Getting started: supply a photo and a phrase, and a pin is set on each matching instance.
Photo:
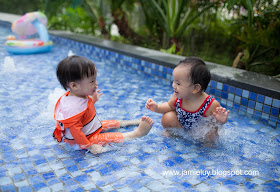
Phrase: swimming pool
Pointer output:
(247, 156)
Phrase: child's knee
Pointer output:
(169, 119)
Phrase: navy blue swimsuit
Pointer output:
(187, 118)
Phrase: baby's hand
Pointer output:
(96, 149)
(221, 115)
(151, 105)
(96, 95)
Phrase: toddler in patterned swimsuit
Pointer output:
(189, 103)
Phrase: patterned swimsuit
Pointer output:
(187, 118)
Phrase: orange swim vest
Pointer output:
(77, 127)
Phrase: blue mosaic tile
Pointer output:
(238, 92)
(231, 89)
(213, 91)
(3, 174)
(8, 188)
(65, 177)
(218, 93)
(52, 182)
(73, 168)
(225, 88)
(178, 159)
(219, 85)
(100, 183)
(71, 183)
(244, 102)
(237, 99)
(213, 84)
(243, 109)
(25, 189)
(268, 100)
(230, 97)
(118, 184)
(269, 187)
(260, 98)
(18, 177)
(169, 163)
(259, 106)
(276, 103)
(105, 171)
(49, 175)
(116, 166)
(245, 94)
(169, 71)
(69, 162)
(35, 179)
(224, 95)
(230, 104)
(79, 189)
(95, 190)
(252, 96)
(266, 109)
(82, 179)
(112, 179)
(265, 117)
(38, 186)
(223, 103)
(230, 182)
(251, 104)
(274, 111)
(186, 185)
(136, 186)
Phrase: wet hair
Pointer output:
(74, 68)
(198, 71)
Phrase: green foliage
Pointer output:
(172, 16)
(259, 36)
(68, 20)
(21, 7)
(172, 50)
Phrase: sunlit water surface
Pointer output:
(28, 92)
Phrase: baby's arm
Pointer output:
(221, 114)
(161, 108)
(218, 112)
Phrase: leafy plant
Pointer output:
(97, 10)
(172, 50)
(173, 17)
(68, 20)
(259, 36)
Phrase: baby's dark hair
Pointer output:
(74, 68)
(199, 72)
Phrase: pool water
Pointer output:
(246, 157)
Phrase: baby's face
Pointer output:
(88, 85)
(182, 86)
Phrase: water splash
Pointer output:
(8, 65)
(53, 97)
(200, 131)
(70, 53)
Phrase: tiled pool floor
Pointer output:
(247, 157)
